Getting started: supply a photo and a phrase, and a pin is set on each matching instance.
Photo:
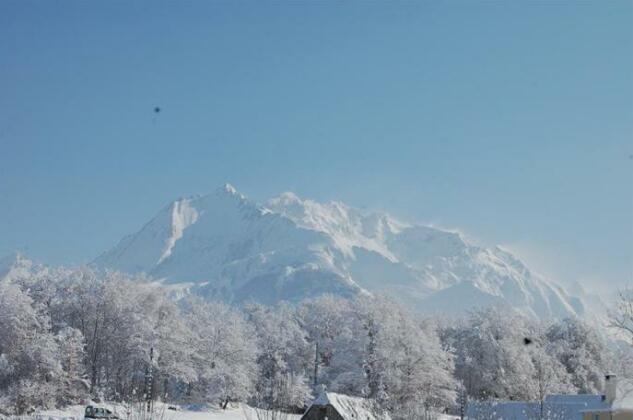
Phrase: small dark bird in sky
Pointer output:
(527, 341)
(156, 110)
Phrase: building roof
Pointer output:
(554, 407)
(623, 400)
(350, 408)
(582, 401)
(520, 410)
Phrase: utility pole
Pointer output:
(149, 380)
(463, 402)
(316, 363)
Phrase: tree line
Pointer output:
(67, 335)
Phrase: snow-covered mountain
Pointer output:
(225, 246)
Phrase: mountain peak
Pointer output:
(292, 248)
(288, 197)
(230, 191)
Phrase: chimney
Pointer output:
(610, 388)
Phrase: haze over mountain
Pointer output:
(223, 245)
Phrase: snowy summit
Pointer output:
(226, 246)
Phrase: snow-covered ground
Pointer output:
(76, 412)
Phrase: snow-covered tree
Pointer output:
(121, 319)
(372, 347)
(491, 359)
(418, 379)
(284, 355)
(549, 375)
(501, 355)
(72, 383)
(328, 323)
(224, 352)
(66, 333)
(622, 316)
(172, 343)
(29, 362)
(581, 351)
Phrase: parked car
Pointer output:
(99, 413)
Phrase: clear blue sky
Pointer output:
(512, 121)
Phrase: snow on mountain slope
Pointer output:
(231, 248)
(226, 246)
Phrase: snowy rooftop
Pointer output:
(555, 406)
(350, 408)
(624, 397)
(521, 410)
(586, 401)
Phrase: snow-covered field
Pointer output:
(76, 412)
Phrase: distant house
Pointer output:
(619, 401)
(615, 404)
(332, 406)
